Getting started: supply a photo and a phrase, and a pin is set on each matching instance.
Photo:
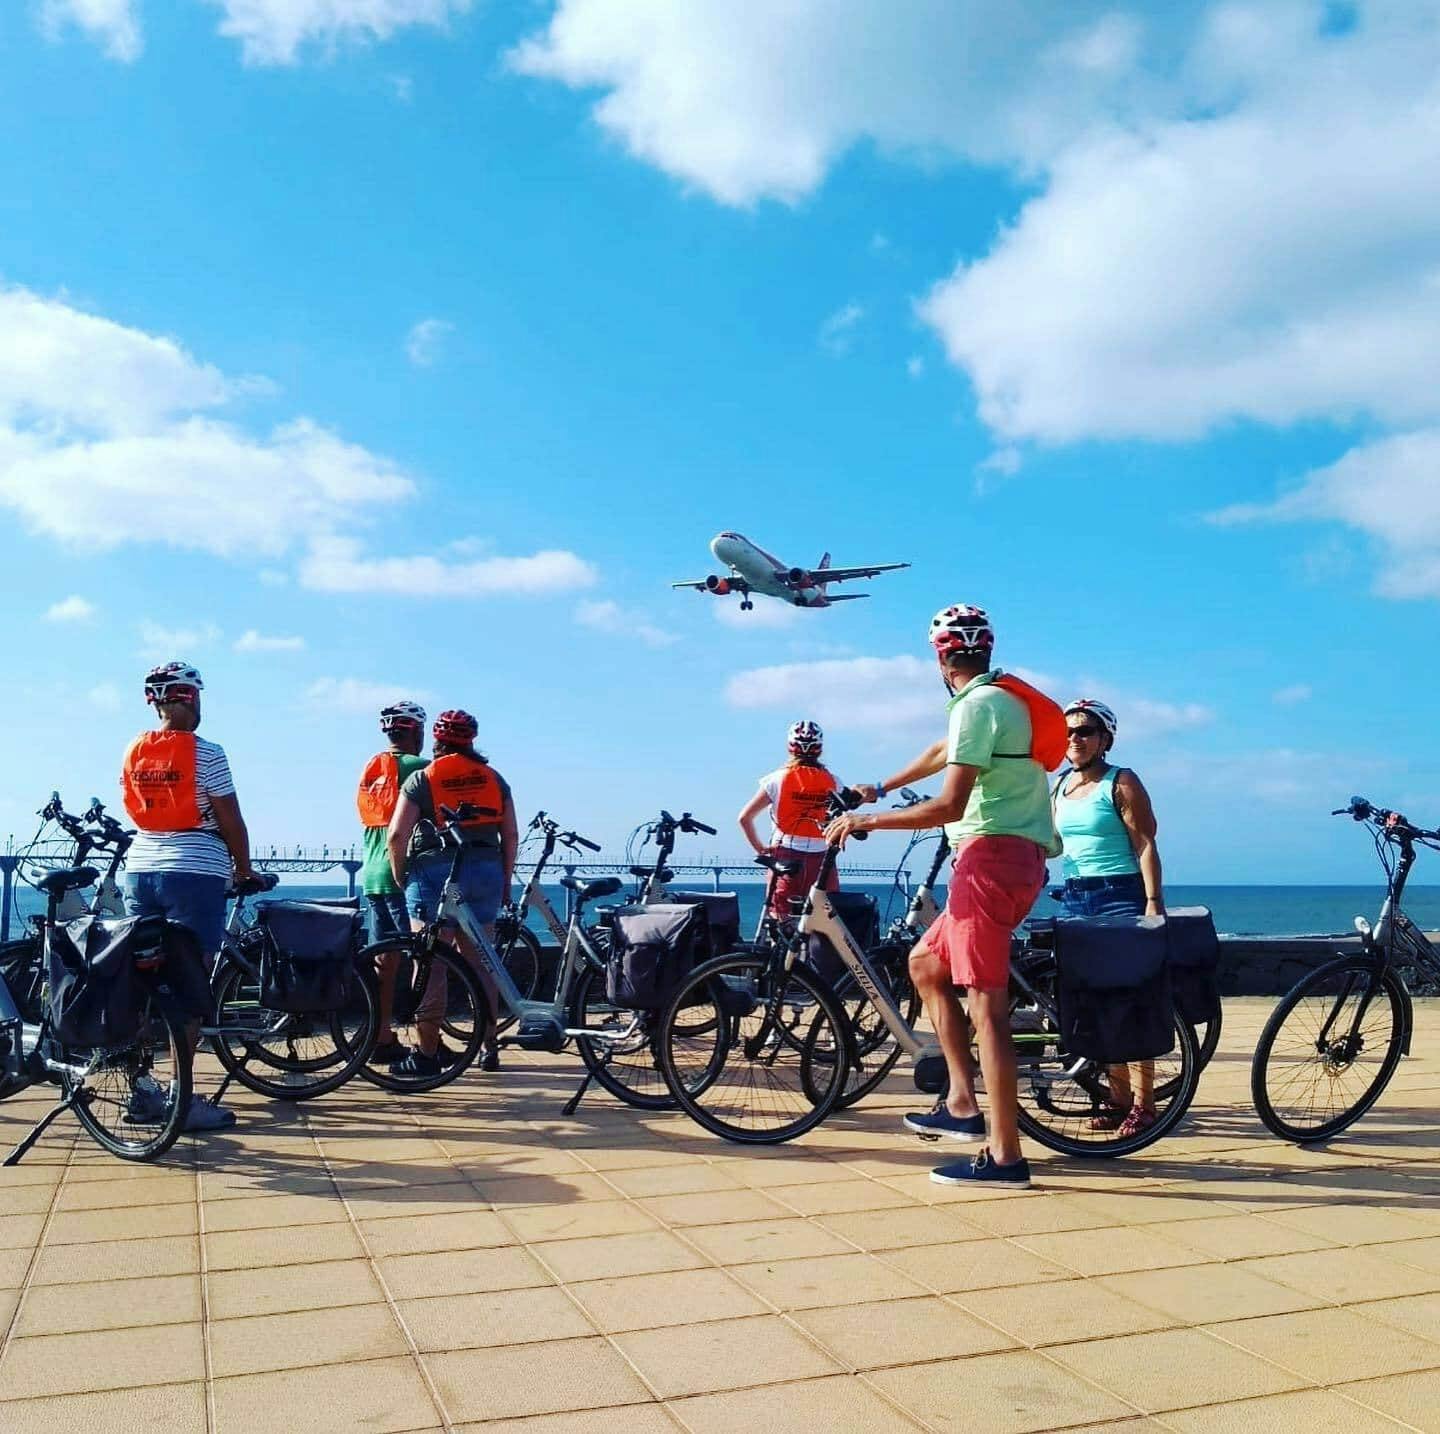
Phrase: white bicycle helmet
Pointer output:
(961, 628)
(401, 714)
(805, 739)
(1091, 707)
(172, 682)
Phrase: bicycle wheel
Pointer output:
(784, 1042)
(519, 951)
(1329, 1049)
(1066, 1101)
(22, 970)
(133, 1099)
(619, 1044)
(432, 981)
(874, 1048)
(286, 1056)
(1207, 1036)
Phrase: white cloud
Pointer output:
(105, 696)
(340, 565)
(1003, 463)
(277, 32)
(113, 23)
(606, 615)
(1388, 489)
(837, 333)
(1292, 695)
(252, 641)
(915, 366)
(354, 697)
(70, 609)
(160, 643)
(424, 342)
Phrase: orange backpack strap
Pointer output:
(1048, 737)
(379, 790)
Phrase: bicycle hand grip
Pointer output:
(701, 827)
(588, 845)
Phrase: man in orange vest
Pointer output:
(379, 792)
(192, 841)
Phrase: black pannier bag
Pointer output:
(1194, 956)
(653, 949)
(95, 994)
(862, 920)
(722, 918)
(1113, 987)
(307, 961)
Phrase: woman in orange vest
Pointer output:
(796, 795)
(457, 774)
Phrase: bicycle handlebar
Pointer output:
(1393, 823)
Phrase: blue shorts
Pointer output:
(482, 884)
(196, 902)
(1103, 896)
(389, 915)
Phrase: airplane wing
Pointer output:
(700, 586)
(845, 575)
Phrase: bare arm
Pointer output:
(949, 806)
(509, 842)
(746, 819)
(397, 838)
(233, 833)
(930, 761)
(1132, 801)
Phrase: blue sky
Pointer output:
(354, 349)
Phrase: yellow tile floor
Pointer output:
(470, 1260)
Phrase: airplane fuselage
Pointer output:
(763, 571)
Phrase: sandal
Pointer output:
(1138, 1118)
(1111, 1117)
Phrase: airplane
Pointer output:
(753, 570)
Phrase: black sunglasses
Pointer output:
(1082, 734)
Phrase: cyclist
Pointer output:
(192, 840)
(795, 795)
(456, 774)
(379, 791)
(995, 806)
(1111, 868)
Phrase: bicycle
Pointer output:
(515, 944)
(130, 1096)
(286, 1055)
(1333, 1043)
(1063, 1098)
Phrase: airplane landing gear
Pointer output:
(746, 604)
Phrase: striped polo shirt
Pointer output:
(202, 852)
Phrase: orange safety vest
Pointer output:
(1048, 735)
(158, 781)
(379, 790)
(800, 809)
(455, 778)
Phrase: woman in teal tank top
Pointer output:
(1112, 868)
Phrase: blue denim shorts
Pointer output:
(1111, 896)
(388, 914)
(196, 902)
(482, 884)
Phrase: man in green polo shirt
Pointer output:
(995, 807)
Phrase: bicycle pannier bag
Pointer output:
(95, 993)
(862, 920)
(1194, 956)
(1114, 987)
(722, 918)
(653, 950)
(307, 960)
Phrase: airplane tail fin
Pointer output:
(823, 563)
(847, 597)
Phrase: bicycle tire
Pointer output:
(1086, 1093)
(420, 956)
(235, 987)
(20, 968)
(1266, 1087)
(131, 1063)
(634, 1077)
(875, 1050)
(725, 1102)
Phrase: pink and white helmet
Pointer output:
(1098, 710)
(173, 682)
(805, 739)
(961, 628)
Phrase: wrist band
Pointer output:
(881, 790)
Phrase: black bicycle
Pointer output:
(1331, 1046)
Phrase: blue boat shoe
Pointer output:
(982, 1170)
(940, 1122)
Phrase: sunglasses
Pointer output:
(1082, 734)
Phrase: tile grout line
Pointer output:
(211, 1423)
(35, 1255)
(447, 1423)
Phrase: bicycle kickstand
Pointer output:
(573, 1104)
(20, 1151)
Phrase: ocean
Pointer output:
(1238, 910)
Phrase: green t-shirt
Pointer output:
(375, 877)
(1011, 796)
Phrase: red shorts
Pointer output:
(993, 885)
(788, 888)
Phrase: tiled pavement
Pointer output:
(468, 1259)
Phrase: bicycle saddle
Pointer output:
(57, 883)
(643, 872)
(779, 865)
(589, 890)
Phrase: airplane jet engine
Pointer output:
(718, 586)
(800, 578)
